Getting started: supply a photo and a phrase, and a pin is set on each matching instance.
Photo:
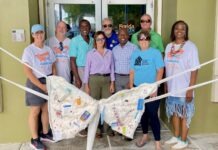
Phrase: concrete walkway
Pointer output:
(196, 142)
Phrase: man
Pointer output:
(111, 36)
(60, 45)
(122, 53)
(79, 46)
(156, 41)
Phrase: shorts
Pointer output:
(31, 99)
(179, 106)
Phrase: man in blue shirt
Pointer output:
(122, 53)
(111, 36)
(79, 46)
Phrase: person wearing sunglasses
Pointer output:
(60, 45)
(181, 54)
(99, 74)
(111, 36)
(156, 40)
(146, 66)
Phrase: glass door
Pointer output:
(123, 12)
(127, 13)
(71, 12)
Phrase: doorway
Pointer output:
(125, 13)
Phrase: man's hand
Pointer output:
(78, 82)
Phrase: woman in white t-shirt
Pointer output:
(181, 54)
(41, 58)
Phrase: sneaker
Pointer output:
(173, 140)
(47, 138)
(180, 145)
(82, 133)
(36, 144)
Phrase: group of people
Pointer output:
(109, 62)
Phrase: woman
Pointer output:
(146, 66)
(180, 55)
(99, 72)
(41, 58)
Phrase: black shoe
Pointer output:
(127, 139)
(36, 144)
(47, 138)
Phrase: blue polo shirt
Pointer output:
(79, 48)
(112, 41)
(145, 65)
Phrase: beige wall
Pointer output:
(200, 16)
(14, 14)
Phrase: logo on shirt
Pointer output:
(42, 57)
(57, 50)
(141, 62)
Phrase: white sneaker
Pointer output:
(173, 140)
(180, 145)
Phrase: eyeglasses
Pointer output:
(61, 47)
(145, 21)
(100, 39)
(143, 39)
(107, 25)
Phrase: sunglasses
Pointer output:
(145, 21)
(61, 47)
(143, 39)
(100, 39)
(107, 25)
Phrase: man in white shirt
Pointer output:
(60, 45)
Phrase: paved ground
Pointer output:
(196, 142)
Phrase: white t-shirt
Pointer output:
(40, 59)
(63, 59)
(178, 61)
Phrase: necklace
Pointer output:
(174, 52)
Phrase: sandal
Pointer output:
(111, 134)
(140, 143)
(98, 135)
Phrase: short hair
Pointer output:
(144, 33)
(86, 21)
(108, 19)
(60, 22)
(123, 29)
(95, 37)
(148, 16)
(172, 35)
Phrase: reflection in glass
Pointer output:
(72, 14)
(127, 16)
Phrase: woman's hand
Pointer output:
(87, 89)
(112, 89)
(189, 96)
(153, 94)
(43, 88)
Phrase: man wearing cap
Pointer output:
(156, 40)
(79, 47)
(60, 45)
(41, 58)
(111, 36)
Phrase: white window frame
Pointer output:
(50, 24)
(149, 3)
(215, 69)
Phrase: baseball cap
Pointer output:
(37, 27)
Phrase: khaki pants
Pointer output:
(100, 88)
